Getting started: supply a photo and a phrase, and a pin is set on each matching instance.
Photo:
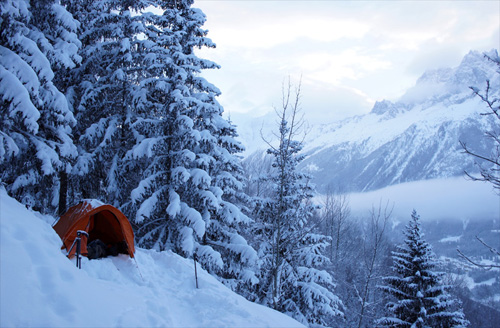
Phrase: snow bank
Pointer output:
(40, 287)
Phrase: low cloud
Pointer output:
(454, 198)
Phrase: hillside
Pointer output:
(415, 138)
(40, 287)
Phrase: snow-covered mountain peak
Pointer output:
(437, 84)
(472, 69)
(414, 138)
(475, 69)
(384, 106)
(438, 75)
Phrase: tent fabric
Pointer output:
(100, 221)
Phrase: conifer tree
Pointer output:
(185, 197)
(101, 96)
(420, 297)
(225, 229)
(292, 252)
(37, 43)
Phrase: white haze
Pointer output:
(453, 198)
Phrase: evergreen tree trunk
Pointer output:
(63, 192)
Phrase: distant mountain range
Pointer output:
(414, 138)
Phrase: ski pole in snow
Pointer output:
(78, 241)
(195, 273)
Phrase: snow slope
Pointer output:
(40, 287)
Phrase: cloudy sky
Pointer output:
(349, 53)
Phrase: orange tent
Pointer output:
(100, 221)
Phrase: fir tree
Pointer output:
(102, 96)
(37, 41)
(291, 252)
(224, 232)
(185, 199)
(421, 300)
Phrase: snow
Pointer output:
(13, 90)
(174, 204)
(40, 287)
(144, 185)
(144, 148)
(450, 239)
(194, 218)
(94, 203)
(471, 283)
(372, 130)
(200, 177)
(8, 146)
(147, 206)
(48, 157)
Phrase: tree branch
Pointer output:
(484, 266)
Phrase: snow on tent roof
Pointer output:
(100, 221)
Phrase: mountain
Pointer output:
(415, 138)
(40, 287)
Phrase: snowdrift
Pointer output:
(40, 287)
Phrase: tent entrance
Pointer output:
(105, 236)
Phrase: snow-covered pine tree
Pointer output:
(291, 252)
(102, 96)
(37, 40)
(421, 299)
(224, 232)
(184, 201)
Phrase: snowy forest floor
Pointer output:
(40, 287)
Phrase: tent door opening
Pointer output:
(105, 236)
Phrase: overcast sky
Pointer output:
(349, 53)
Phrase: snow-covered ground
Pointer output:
(40, 287)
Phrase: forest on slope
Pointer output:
(105, 100)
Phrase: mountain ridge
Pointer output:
(414, 138)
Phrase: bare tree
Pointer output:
(336, 211)
(374, 241)
(489, 164)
